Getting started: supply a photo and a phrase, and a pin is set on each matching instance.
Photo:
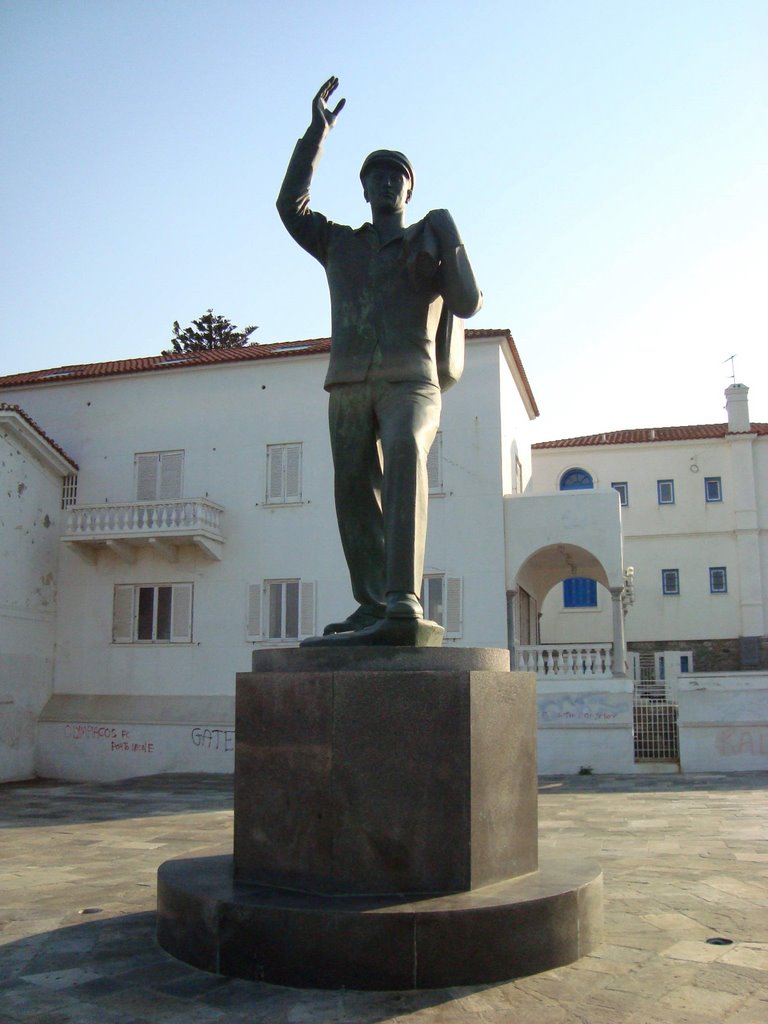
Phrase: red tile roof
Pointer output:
(312, 346)
(89, 371)
(6, 407)
(643, 435)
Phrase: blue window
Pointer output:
(666, 491)
(579, 592)
(713, 488)
(623, 488)
(718, 580)
(685, 663)
(576, 480)
(670, 581)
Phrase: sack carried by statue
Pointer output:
(424, 261)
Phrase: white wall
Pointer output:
(723, 721)
(29, 519)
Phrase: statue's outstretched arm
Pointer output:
(307, 227)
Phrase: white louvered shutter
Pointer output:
(435, 464)
(293, 472)
(171, 468)
(146, 476)
(307, 609)
(181, 613)
(453, 606)
(275, 473)
(122, 614)
(253, 627)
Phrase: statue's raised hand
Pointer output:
(323, 118)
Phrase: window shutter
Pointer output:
(171, 466)
(293, 472)
(146, 476)
(435, 463)
(275, 473)
(122, 615)
(253, 627)
(307, 609)
(181, 613)
(453, 606)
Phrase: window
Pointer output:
(665, 490)
(281, 610)
(441, 597)
(576, 480)
(435, 465)
(158, 475)
(69, 491)
(718, 580)
(518, 476)
(623, 488)
(283, 474)
(156, 613)
(670, 581)
(713, 489)
(579, 592)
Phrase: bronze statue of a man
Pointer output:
(393, 290)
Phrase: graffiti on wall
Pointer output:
(213, 739)
(586, 709)
(119, 739)
(750, 741)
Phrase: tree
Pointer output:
(207, 332)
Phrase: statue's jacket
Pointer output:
(380, 294)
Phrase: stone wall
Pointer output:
(712, 655)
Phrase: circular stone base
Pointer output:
(495, 933)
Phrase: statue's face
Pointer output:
(387, 188)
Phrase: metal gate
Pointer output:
(655, 709)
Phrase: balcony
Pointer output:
(163, 526)
(561, 662)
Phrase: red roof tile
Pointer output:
(88, 371)
(7, 407)
(248, 353)
(644, 435)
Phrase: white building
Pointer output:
(694, 511)
(202, 525)
(188, 517)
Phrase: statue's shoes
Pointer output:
(359, 619)
(404, 632)
(402, 605)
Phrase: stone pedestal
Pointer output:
(385, 830)
(395, 774)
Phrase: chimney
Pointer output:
(737, 407)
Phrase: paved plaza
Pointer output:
(684, 858)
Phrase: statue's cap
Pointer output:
(387, 156)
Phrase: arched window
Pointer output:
(576, 480)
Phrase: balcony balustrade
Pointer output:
(162, 525)
(566, 661)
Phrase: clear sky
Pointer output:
(605, 160)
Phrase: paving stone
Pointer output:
(682, 859)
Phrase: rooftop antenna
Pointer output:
(733, 368)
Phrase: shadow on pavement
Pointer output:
(663, 783)
(115, 966)
(44, 802)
